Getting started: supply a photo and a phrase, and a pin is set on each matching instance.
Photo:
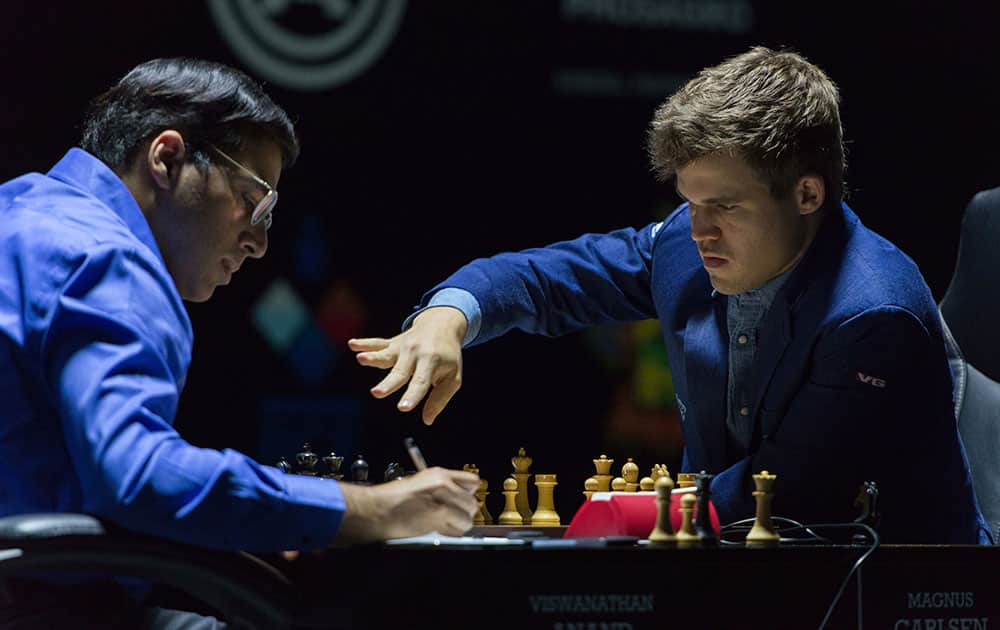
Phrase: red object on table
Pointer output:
(626, 514)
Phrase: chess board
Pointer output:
(653, 507)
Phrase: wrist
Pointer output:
(360, 522)
(451, 317)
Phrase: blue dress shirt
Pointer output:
(95, 344)
(744, 314)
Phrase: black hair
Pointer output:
(207, 102)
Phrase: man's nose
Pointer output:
(703, 226)
(254, 242)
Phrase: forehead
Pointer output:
(718, 177)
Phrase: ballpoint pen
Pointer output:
(415, 454)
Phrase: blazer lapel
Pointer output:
(774, 337)
(776, 329)
(706, 357)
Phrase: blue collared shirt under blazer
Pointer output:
(95, 344)
(849, 383)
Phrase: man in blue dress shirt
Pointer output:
(799, 341)
(172, 191)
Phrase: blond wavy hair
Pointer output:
(774, 109)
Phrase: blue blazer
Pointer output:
(851, 382)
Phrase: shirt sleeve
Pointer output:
(594, 279)
(459, 299)
(114, 356)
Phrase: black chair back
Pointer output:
(971, 313)
(971, 305)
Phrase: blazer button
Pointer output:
(745, 411)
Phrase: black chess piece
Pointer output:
(867, 500)
(393, 471)
(307, 461)
(284, 466)
(333, 463)
(703, 519)
(359, 469)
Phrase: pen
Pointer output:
(415, 454)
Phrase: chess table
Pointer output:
(621, 588)
(587, 585)
(595, 585)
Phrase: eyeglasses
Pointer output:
(262, 211)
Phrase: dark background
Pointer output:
(472, 134)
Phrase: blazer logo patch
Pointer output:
(870, 380)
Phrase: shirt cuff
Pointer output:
(463, 301)
(317, 506)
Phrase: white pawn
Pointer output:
(687, 535)
(510, 515)
(663, 532)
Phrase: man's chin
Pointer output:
(722, 286)
(730, 286)
(201, 295)
(735, 287)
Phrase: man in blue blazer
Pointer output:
(800, 342)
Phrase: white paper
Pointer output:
(437, 539)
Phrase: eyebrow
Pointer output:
(260, 182)
(247, 173)
(244, 169)
(724, 199)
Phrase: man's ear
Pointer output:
(810, 193)
(164, 158)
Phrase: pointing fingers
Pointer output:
(374, 352)
(440, 397)
(396, 378)
(368, 344)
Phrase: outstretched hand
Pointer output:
(428, 356)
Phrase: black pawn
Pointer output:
(359, 469)
(703, 519)
(284, 466)
(393, 471)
